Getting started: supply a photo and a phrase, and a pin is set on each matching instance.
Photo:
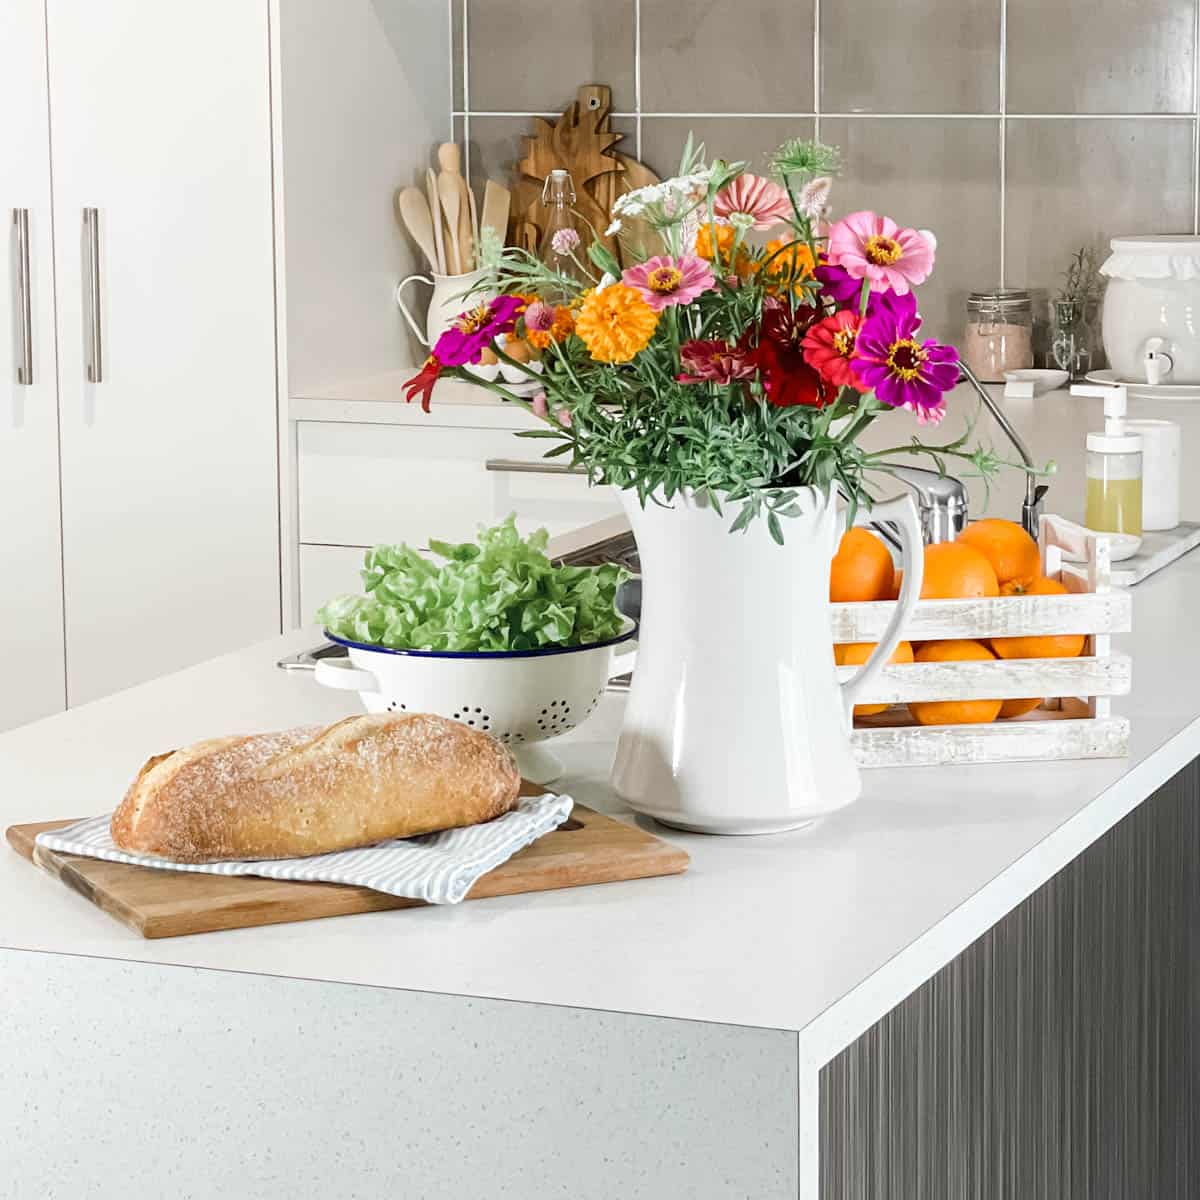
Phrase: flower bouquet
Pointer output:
(724, 383)
(745, 359)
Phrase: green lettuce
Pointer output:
(500, 592)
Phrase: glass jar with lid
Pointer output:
(999, 333)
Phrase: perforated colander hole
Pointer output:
(393, 705)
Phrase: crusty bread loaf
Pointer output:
(312, 791)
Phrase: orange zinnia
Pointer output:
(562, 324)
(616, 323)
(725, 238)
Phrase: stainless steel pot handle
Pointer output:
(306, 660)
(24, 305)
(518, 466)
(95, 348)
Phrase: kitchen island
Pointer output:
(974, 981)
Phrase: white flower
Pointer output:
(814, 197)
(614, 228)
(606, 280)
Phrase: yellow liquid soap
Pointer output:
(1114, 505)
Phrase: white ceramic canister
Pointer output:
(446, 302)
(1162, 445)
(1151, 322)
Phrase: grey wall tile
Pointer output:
(1101, 56)
(927, 173)
(896, 56)
(456, 53)
(529, 56)
(1077, 182)
(750, 139)
(496, 146)
(716, 56)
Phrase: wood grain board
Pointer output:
(588, 848)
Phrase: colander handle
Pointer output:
(903, 512)
(623, 662)
(340, 674)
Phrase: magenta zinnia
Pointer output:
(474, 329)
(712, 360)
(421, 384)
(875, 248)
(902, 371)
(664, 280)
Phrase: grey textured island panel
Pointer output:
(124, 1079)
(1057, 1058)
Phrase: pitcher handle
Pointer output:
(903, 512)
(421, 334)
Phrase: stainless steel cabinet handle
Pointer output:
(95, 360)
(24, 309)
(519, 467)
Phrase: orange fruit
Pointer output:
(1057, 645)
(852, 654)
(1011, 551)
(897, 584)
(956, 571)
(862, 568)
(954, 712)
(1018, 708)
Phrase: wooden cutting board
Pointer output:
(588, 848)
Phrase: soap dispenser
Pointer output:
(1114, 473)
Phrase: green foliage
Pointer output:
(500, 592)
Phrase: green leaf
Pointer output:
(604, 259)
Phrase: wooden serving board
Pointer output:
(587, 848)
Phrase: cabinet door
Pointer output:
(161, 123)
(31, 631)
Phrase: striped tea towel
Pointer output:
(439, 868)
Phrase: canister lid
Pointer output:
(1156, 243)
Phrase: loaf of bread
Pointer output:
(312, 791)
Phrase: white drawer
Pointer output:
(364, 484)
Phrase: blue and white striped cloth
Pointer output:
(439, 868)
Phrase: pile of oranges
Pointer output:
(989, 558)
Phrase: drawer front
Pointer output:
(364, 484)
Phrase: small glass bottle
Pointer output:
(999, 333)
(1114, 471)
(1069, 345)
(558, 194)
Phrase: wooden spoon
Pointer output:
(449, 196)
(450, 159)
(413, 209)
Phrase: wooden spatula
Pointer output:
(448, 194)
(450, 159)
(413, 209)
(496, 201)
(435, 211)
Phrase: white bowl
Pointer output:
(520, 697)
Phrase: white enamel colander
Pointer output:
(519, 697)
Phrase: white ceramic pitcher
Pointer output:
(445, 303)
(736, 722)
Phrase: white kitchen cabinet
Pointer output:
(161, 125)
(31, 631)
(325, 572)
(363, 484)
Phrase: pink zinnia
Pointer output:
(664, 280)
(867, 246)
(713, 360)
(829, 348)
(762, 200)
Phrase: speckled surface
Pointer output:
(131, 1079)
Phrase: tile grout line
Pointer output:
(1003, 82)
(637, 77)
(817, 70)
(466, 75)
(1196, 121)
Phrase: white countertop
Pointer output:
(819, 931)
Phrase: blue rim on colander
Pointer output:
(541, 652)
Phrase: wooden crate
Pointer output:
(1075, 722)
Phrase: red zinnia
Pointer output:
(829, 348)
(713, 360)
(421, 384)
(787, 379)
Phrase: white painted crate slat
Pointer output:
(997, 679)
(1075, 721)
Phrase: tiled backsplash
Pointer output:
(1017, 130)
